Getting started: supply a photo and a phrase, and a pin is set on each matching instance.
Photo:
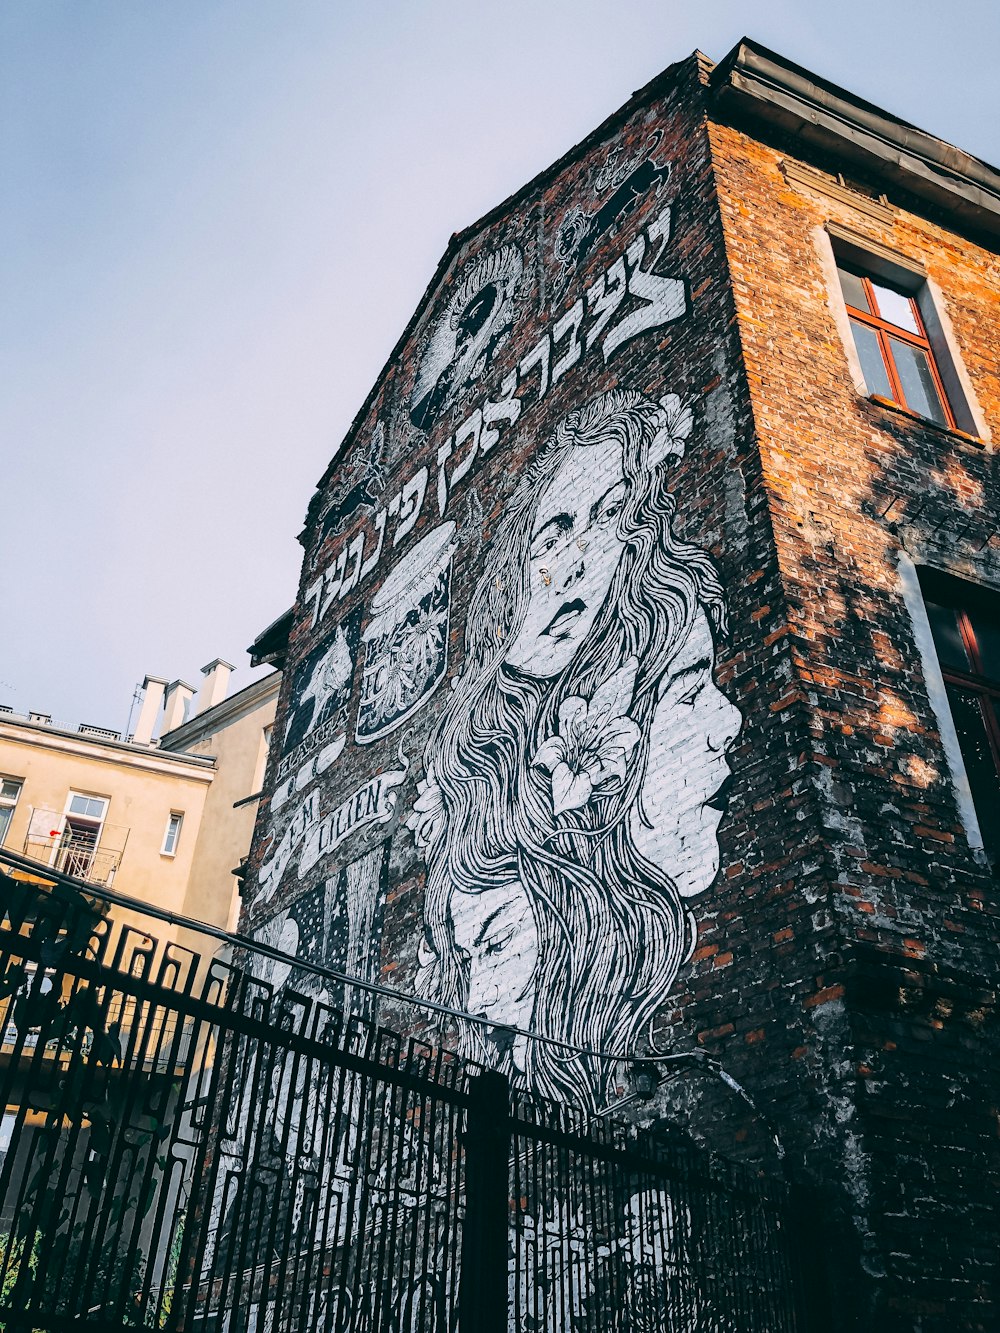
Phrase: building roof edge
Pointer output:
(221, 714)
(757, 82)
(20, 731)
(658, 86)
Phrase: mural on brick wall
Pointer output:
(506, 677)
(621, 183)
(576, 776)
(407, 637)
(464, 339)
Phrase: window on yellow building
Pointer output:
(173, 834)
(10, 790)
(81, 833)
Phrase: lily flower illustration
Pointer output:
(428, 817)
(671, 439)
(595, 741)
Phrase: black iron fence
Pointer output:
(190, 1143)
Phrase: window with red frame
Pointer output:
(893, 346)
(967, 638)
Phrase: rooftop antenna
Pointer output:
(136, 695)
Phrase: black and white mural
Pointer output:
(577, 774)
(337, 924)
(477, 319)
(407, 637)
(620, 184)
(314, 732)
(509, 631)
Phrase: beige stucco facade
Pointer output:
(233, 735)
(166, 822)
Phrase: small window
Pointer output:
(967, 638)
(7, 1122)
(10, 790)
(90, 807)
(173, 833)
(895, 352)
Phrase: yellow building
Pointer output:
(166, 821)
(233, 735)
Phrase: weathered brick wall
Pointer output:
(511, 699)
(902, 1007)
(605, 275)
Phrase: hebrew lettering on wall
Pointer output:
(503, 676)
(620, 184)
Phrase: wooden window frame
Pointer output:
(884, 329)
(976, 682)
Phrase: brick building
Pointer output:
(642, 678)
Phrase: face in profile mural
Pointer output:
(575, 781)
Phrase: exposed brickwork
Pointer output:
(910, 1097)
(845, 957)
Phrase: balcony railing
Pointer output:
(94, 859)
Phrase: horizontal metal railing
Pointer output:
(201, 1141)
(50, 846)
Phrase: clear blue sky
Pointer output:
(216, 219)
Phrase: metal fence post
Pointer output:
(814, 1254)
(482, 1292)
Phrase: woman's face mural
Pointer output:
(497, 943)
(574, 552)
(576, 779)
(694, 726)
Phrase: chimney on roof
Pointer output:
(215, 684)
(179, 695)
(152, 698)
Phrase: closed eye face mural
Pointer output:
(462, 342)
(576, 777)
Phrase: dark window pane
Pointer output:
(948, 637)
(854, 291)
(919, 389)
(872, 365)
(980, 765)
(987, 632)
(896, 308)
